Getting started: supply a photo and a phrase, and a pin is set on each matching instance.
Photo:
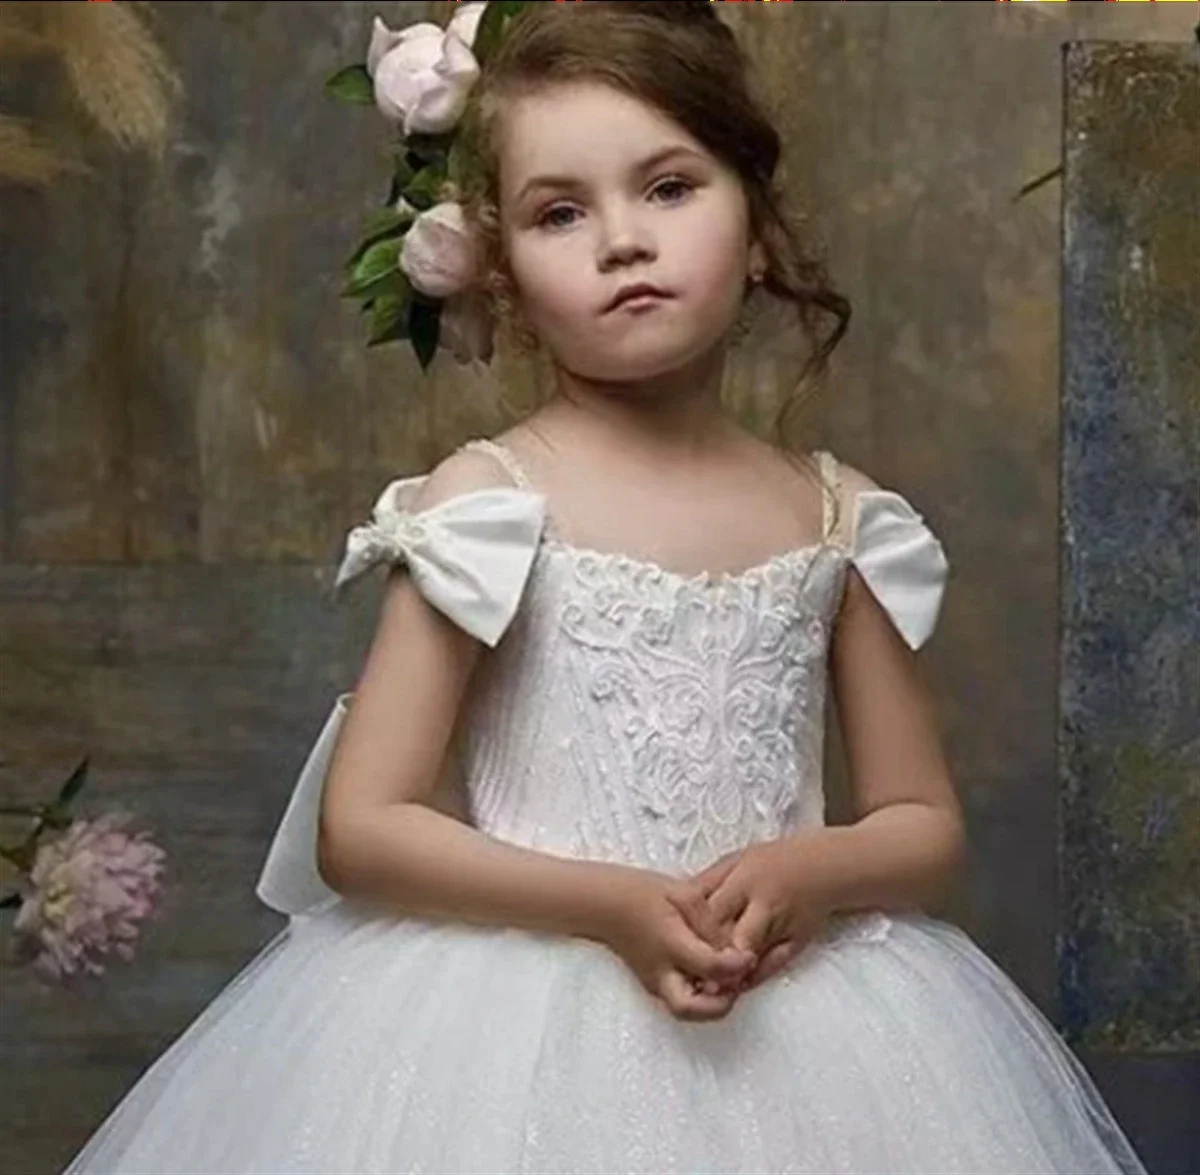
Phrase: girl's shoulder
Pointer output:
(476, 464)
(466, 534)
(850, 479)
(860, 494)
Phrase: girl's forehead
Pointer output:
(555, 114)
(584, 123)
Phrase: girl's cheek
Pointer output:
(528, 271)
(553, 271)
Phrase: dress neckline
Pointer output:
(646, 568)
(643, 568)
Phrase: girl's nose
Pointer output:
(622, 241)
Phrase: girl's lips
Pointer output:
(640, 300)
(636, 293)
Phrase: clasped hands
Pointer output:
(698, 943)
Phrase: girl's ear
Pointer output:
(756, 266)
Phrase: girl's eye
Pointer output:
(674, 189)
(668, 191)
(550, 218)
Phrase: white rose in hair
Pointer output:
(423, 73)
(438, 254)
(466, 22)
(384, 40)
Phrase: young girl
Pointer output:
(631, 943)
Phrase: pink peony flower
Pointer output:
(92, 887)
(439, 254)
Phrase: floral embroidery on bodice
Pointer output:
(679, 716)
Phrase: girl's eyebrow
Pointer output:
(647, 164)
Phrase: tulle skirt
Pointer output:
(356, 1042)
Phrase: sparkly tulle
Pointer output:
(356, 1042)
(640, 716)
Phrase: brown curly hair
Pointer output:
(682, 59)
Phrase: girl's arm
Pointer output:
(908, 840)
(380, 838)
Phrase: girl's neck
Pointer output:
(680, 410)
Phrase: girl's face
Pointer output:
(598, 192)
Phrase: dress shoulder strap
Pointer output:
(504, 456)
(831, 489)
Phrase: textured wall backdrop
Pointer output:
(190, 423)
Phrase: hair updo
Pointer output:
(681, 58)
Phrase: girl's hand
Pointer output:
(770, 905)
(662, 928)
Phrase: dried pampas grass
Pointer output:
(116, 71)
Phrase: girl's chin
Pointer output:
(632, 364)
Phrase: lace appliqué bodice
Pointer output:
(698, 705)
(627, 712)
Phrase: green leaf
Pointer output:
(413, 162)
(380, 225)
(352, 84)
(424, 326)
(22, 856)
(387, 283)
(423, 189)
(57, 817)
(78, 778)
(428, 148)
(384, 221)
(389, 318)
(492, 26)
(404, 166)
(489, 33)
(402, 169)
(378, 262)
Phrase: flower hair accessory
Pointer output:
(416, 266)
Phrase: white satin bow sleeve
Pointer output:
(470, 556)
(902, 561)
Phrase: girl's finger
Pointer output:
(708, 879)
(693, 956)
(727, 901)
(686, 1003)
(700, 917)
(777, 959)
(752, 931)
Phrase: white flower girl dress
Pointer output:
(637, 715)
